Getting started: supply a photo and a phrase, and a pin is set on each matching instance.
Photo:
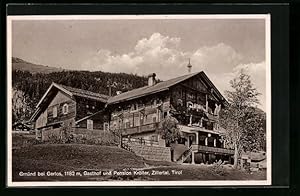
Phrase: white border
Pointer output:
(242, 183)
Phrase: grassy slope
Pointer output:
(80, 157)
(75, 157)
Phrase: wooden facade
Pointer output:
(140, 117)
(194, 102)
(191, 102)
(139, 112)
(192, 99)
(61, 108)
(59, 101)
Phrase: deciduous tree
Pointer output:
(169, 130)
(21, 106)
(239, 117)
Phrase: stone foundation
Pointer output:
(156, 153)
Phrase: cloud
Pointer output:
(163, 55)
(156, 42)
(217, 58)
(103, 60)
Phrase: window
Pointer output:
(106, 126)
(141, 119)
(120, 123)
(54, 111)
(154, 119)
(89, 124)
(136, 120)
(127, 123)
(65, 109)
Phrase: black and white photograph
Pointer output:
(139, 100)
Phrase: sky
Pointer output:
(219, 47)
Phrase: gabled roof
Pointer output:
(207, 80)
(71, 92)
(146, 90)
(75, 92)
(86, 94)
(129, 95)
(159, 87)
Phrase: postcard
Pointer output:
(139, 100)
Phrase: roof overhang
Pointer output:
(209, 82)
(53, 85)
(138, 96)
(38, 108)
(35, 114)
(88, 117)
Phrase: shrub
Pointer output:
(218, 168)
(55, 139)
(103, 138)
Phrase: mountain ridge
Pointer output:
(22, 65)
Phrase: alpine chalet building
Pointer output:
(192, 99)
(138, 114)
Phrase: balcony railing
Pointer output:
(141, 129)
(212, 149)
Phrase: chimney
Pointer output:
(151, 79)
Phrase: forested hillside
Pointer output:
(29, 87)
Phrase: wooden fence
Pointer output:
(140, 141)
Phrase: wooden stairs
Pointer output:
(126, 146)
(185, 155)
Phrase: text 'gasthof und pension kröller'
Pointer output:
(103, 173)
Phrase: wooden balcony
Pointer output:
(141, 129)
(209, 149)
